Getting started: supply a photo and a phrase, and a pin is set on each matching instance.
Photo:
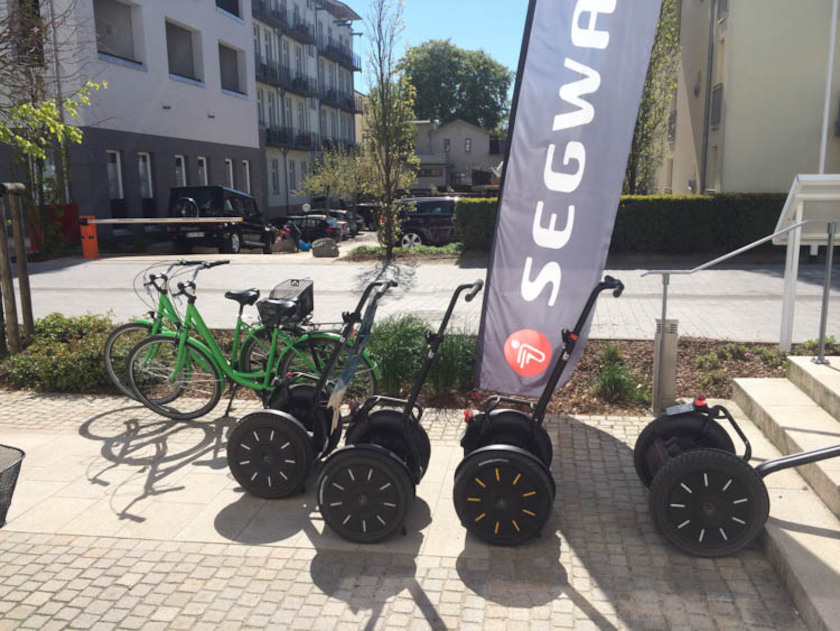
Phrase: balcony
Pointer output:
(330, 97)
(297, 83)
(301, 31)
(278, 136)
(266, 72)
(334, 51)
(347, 146)
(267, 11)
(305, 141)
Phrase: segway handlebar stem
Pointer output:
(570, 339)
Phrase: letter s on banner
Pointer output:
(570, 132)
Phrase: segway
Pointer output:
(503, 487)
(704, 498)
(366, 488)
(271, 452)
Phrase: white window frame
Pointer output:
(292, 177)
(150, 179)
(203, 178)
(229, 173)
(275, 176)
(246, 168)
(183, 160)
(108, 154)
(467, 145)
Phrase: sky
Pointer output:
(494, 26)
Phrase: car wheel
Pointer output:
(411, 239)
(232, 244)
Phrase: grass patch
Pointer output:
(377, 252)
(615, 383)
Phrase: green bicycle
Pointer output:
(180, 374)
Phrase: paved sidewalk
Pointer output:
(123, 519)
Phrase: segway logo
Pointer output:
(528, 352)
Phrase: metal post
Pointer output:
(829, 256)
(659, 376)
(18, 231)
(12, 332)
(791, 275)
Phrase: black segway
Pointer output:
(366, 488)
(704, 498)
(503, 487)
(271, 452)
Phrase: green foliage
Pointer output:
(772, 357)
(733, 350)
(398, 345)
(707, 362)
(369, 252)
(454, 83)
(813, 346)
(712, 378)
(65, 355)
(616, 383)
(453, 366)
(475, 222)
(647, 149)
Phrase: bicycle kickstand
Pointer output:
(233, 390)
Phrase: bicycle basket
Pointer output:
(10, 459)
(274, 309)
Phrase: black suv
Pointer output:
(218, 201)
(432, 222)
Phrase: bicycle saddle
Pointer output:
(243, 296)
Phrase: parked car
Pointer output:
(369, 214)
(317, 227)
(218, 201)
(431, 222)
(349, 228)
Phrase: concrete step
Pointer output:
(794, 422)
(821, 382)
(802, 537)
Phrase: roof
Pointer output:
(340, 10)
(461, 120)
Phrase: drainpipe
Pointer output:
(286, 176)
(708, 105)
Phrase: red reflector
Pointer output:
(574, 337)
(468, 415)
(288, 375)
(700, 401)
(475, 395)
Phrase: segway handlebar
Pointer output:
(613, 283)
(476, 287)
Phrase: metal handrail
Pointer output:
(666, 276)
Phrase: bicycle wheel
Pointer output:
(313, 354)
(152, 374)
(253, 356)
(117, 348)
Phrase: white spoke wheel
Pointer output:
(411, 239)
(709, 503)
(117, 348)
(269, 454)
(179, 393)
(670, 436)
(503, 495)
(364, 494)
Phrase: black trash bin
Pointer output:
(10, 459)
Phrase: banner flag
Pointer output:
(581, 72)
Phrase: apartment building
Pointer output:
(748, 109)
(305, 97)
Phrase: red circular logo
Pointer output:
(528, 352)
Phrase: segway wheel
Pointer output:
(709, 503)
(669, 436)
(503, 494)
(269, 454)
(364, 493)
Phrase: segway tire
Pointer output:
(709, 503)
(503, 494)
(270, 454)
(670, 436)
(364, 493)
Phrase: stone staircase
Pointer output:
(802, 538)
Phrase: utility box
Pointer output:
(665, 365)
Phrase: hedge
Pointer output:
(657, 224)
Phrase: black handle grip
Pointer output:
(477, 286)
(215, 264)
(385, 286)
(613, 283)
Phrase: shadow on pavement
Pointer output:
(403, 272)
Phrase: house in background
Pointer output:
(750, 120)
(454, 155)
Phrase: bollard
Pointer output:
(665, 364)
(90, 242)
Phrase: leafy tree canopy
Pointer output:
(452, 83)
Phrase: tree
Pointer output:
(390, 140)
(455, 83)
(647, 150)
(327, 174)
(36, 42)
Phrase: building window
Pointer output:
(446, 145)
(292, 176)
(260, 117)
(202, 170)
(246, 170)
(115, 29)
(275, 176)
(301, 117)
(115, 183)
(287, 121)
(467, 145)
(180, 171)
(304, 171)
(229, 172)
(229, 6)
(272, 110)
(231, 67)
(717, 105)
(144, 169)
(182, 49)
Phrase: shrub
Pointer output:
(616, 383)
(398, 345)
(772, 357)
(367, 252)
(65, 355)
(813, 346)
(475, 222)
(453, 366)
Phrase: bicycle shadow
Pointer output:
(159, 449)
